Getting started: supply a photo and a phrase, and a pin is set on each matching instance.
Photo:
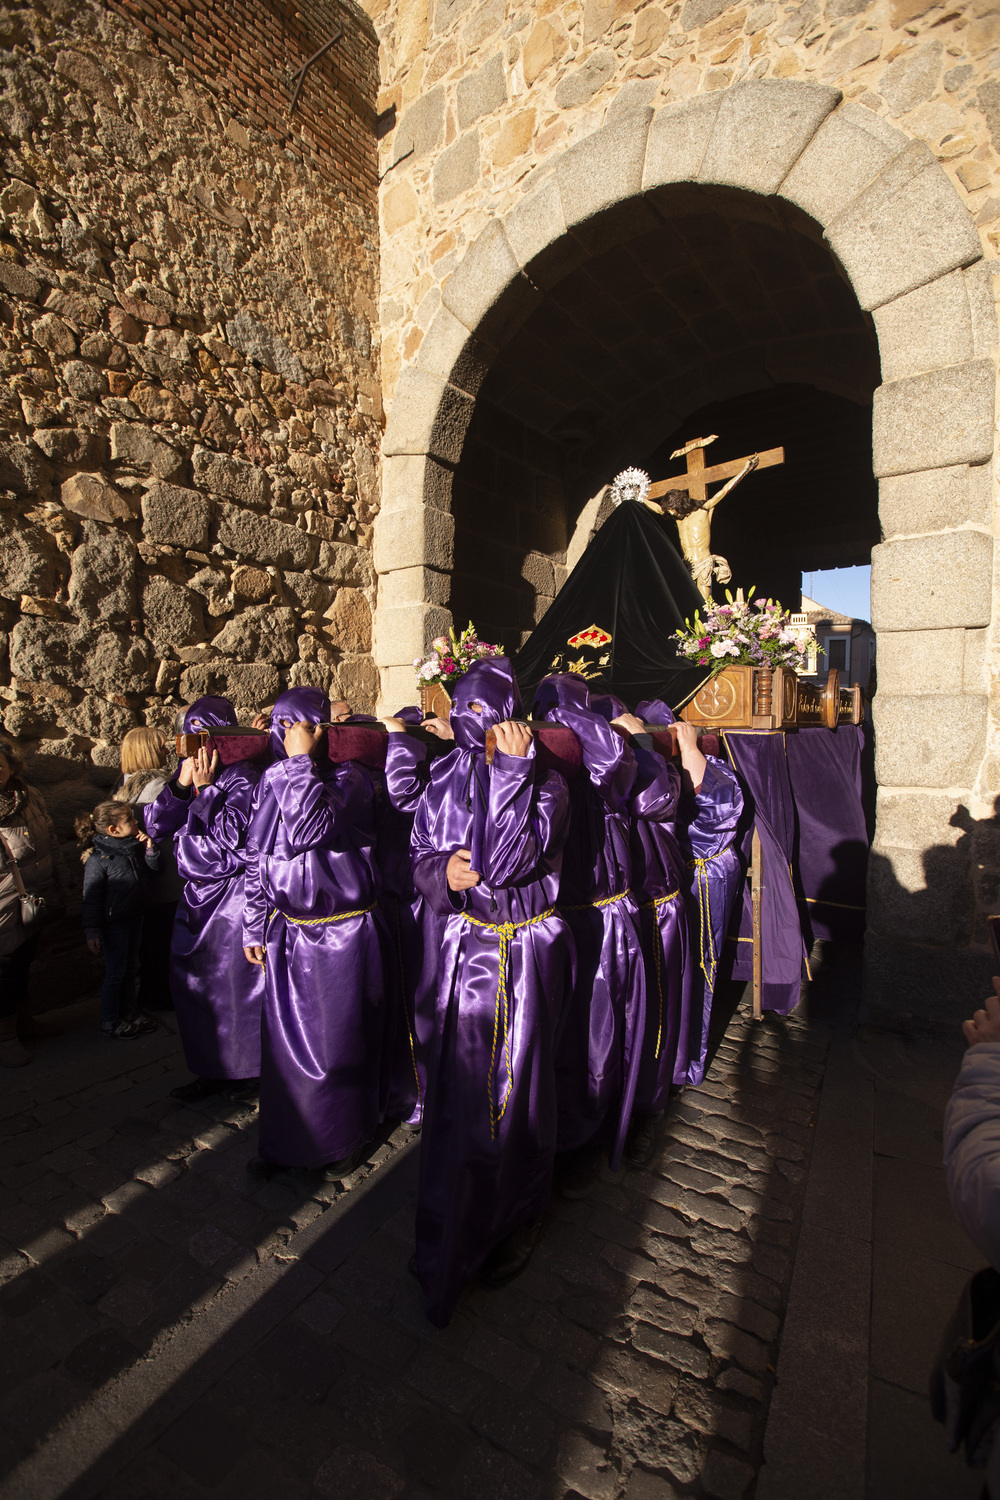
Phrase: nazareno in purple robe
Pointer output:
(706, 834)
(504, 977)
(598, 1065)
(217, 994)
(664, 929)
(414, 927)
(312, 888)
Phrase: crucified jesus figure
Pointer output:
(694, 525)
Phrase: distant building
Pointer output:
(841, 642)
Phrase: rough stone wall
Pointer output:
(489, 93)
(190, 404)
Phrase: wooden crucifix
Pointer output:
(686, 498)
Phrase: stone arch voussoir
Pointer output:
(888, 211)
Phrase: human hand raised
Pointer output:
(629, 723)
(394, 726)
(261, 721)
(185, 776)
(436, 725)
(302, 738)
(205, 766)
(512, 739)
(459, 874)
(985, 1024)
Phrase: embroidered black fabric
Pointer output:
(633, 583)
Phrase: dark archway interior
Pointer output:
(709, 308)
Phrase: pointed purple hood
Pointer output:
(209, 713)
(302, 705)
(608, 706)
(491, 684)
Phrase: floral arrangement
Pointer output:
(452, 655)
(740, 634)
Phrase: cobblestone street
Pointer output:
(171, 1328)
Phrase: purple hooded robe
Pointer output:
(217, 994)
(658, 886)
(505, 974)
(414, 927)
(598, 1065)
(312, 888)
(706, 832)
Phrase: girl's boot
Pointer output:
(12, 1054)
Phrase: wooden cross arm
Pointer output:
(717, 471)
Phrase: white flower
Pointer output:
(724, 648)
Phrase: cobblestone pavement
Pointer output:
(170, 1328)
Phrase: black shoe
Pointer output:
(120, 1031)
(640, 1141)
(510, 1257)
(336, 1171)
(144, 1024)
(577, 1172)
(198, 1088)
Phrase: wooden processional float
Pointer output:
(738, 698)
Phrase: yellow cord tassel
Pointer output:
(653, 906)
(505, 931)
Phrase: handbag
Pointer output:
(965, 1379)
(36, 908)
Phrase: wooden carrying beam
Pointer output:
(366, 743)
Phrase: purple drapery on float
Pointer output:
(759, 759)
(504, 975)
(602, 1043)
(312, 889)
(831, 838)
(706, 826)
(217, 994)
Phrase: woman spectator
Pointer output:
(31, 865)
(146, 768)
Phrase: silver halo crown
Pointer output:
(630, 484)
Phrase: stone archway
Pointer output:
(913, 258)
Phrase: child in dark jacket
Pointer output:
(119, 869)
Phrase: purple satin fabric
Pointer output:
(707, 827)
(658, 880)
(759, 760)
(311, 856)
(304, 705)
(217, 994)
(599, 1057)
(414, 927)
(831, 839)
(489, 1133)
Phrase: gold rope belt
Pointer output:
(339, 916)
(604, 901)
(699, 866)
(652, 906)
(505, 931)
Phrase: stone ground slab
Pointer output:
(170, 1327)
